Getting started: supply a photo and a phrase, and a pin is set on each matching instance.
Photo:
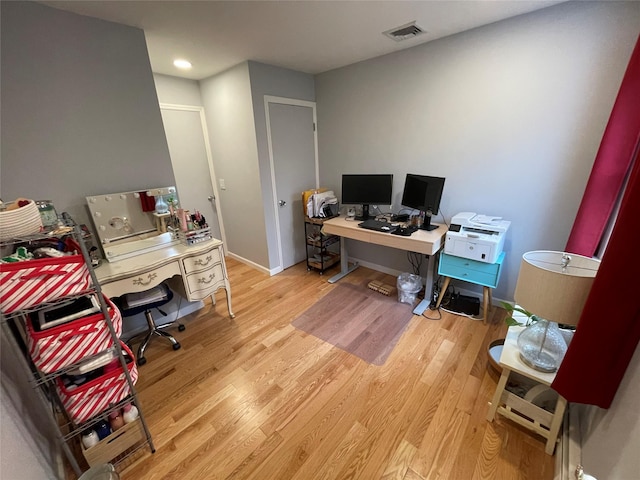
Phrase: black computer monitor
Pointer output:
(423, 193)
(367, 189)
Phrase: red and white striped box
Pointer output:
(57, 347)
(92, 398)
(33, 282)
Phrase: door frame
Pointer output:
(293, 102)
(207, 147)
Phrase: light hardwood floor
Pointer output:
(254, 398)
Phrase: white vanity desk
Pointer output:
(196, 272)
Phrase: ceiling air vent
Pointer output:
(405, 32)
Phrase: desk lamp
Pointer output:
(553, 286)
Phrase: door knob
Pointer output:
(282, 203)
(211, 198)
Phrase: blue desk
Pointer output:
(472, 271)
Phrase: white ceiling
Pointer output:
(307, 36)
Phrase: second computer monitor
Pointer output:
(367, 189)
(423, 193)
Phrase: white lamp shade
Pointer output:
(552, 289)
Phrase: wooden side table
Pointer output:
(518, 409)
(472, 271)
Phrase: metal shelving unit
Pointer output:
(120, 444)
(323, 251)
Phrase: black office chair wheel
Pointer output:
(176, 346)
(141, 361)
(181, 328)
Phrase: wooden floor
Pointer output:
(254, 398)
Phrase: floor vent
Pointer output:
(405, 32)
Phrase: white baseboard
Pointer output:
(376, 267)
(269, 272)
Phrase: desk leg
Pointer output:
(344, 263)
(421, 307)
(495, 402)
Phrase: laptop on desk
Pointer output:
(377, 225)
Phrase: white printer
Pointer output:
(478, 237)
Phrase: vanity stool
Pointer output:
(133, 303)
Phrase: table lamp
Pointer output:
(554, 287)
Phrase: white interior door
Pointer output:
(188, 143)
(293, 150)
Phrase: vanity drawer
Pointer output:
(203, 261)
(142, 281)
(205, 282)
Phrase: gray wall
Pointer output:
(178, 91)
(234, 109)
(611, 438)
(28, 446)
(511, 114)
(79, 117)
(79, 109)
(229, 113)
(279, 82)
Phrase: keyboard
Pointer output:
(377, 225)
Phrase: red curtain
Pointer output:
(609, 329)
(611, 164)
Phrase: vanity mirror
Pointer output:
(131, 223)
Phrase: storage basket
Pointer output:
(57, 347)
(33, 282)
(91, 398)
(115, 444)
(20, 221)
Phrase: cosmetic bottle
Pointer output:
(89, 438)
(102, 429)
(182, 216)
(115, 420)
(129, 413)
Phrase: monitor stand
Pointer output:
(365, 213)
(426, 224)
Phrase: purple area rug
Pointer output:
(358, 320)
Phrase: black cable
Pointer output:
(415, 259)
(439, 317)
(443, 218)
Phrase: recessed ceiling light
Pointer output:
(183, 64)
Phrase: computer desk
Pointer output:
(421, 241)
